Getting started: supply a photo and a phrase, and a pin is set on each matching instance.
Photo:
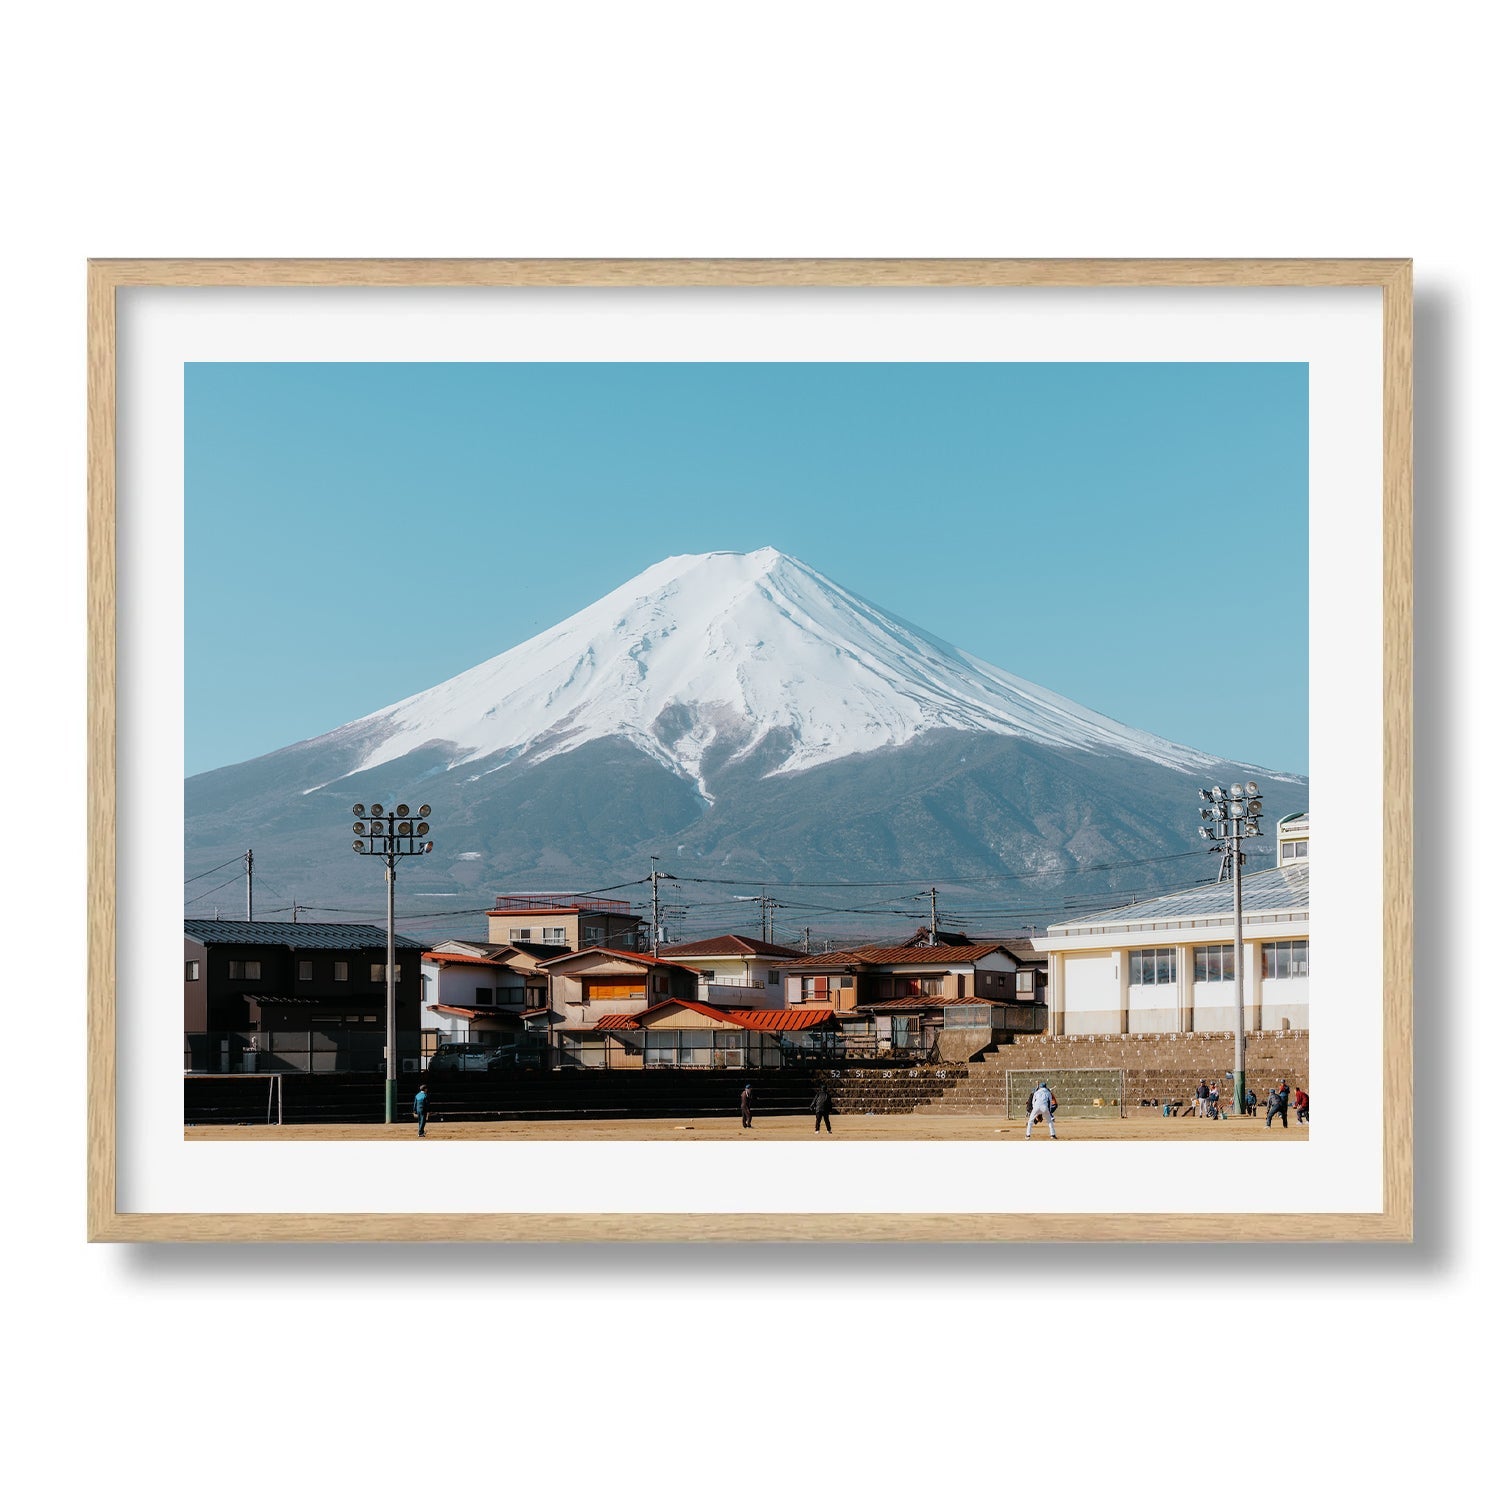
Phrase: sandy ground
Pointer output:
(1138, 1127)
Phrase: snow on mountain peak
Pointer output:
(721, 649)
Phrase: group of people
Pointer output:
(1206, 1103)
(1282, 1095)
(1041, 1106)
(822, 1109)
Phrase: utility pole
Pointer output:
(1227, 820)
(768, 906)
(807, 940)
(249, 885)
(656, 876)
(932, 931)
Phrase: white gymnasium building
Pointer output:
(1167, 964)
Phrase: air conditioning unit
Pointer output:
(411, 1064)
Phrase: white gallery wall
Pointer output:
(785, 129)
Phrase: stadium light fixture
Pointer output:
(391, 840)
(1228, 821)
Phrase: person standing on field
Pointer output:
(822, 1108)
(1202, 1107)
(1280, 1098)
(746, 1099)
(1043, 1102)
(419, 1109)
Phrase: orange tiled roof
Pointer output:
(617, 1022)
(800, 1019)
(464, 958)
(472, 1012)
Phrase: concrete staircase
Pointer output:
(1161, 1067)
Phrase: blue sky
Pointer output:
(1113, 532)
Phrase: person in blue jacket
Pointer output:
(419, 1108)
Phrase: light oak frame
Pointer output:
(1393, 1223)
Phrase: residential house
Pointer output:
(898, 995)
(294, 995)
(597, 982)
(473, 990)
(735, 971)
(567, 922)
(1167, 964)
(677, 1033)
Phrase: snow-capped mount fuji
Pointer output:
(744, 717)
(724, 649)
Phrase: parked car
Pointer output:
(463, 1057)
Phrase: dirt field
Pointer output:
(1139, 1127)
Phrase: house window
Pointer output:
(1213, 963)
(304, 968)
(773, 976)
(1294, 848)
(520, 934)
(483, 995)
(244, 968)
(377, 973)
(1153, 966)
(340, 972)
(1025, 982)
(846, 981)
(1284, 960)
(558, 936)
(593, 936)
(190, 969)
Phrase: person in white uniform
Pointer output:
(1042, 1105)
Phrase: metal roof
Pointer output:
(1283, 889)
(729, 943)
(211, 931)
(346, 1003)
(941, 953)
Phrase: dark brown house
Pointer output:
(247, 985)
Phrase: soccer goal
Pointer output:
(1081, 1093)
(232, 1098)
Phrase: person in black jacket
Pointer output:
(1280, 1096)
(746, 1100)
(822, 1108)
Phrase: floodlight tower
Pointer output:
(391, 836)
(1226, 821)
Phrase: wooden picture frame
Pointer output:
(1392, 1222)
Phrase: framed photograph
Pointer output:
(750, 750)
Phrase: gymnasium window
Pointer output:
(304, 968)
(340, 972)
(244, 968)
(1213, 963)
(1286, 960)
(190, 969)
(1025, 982)
(1153, 966)
(377, 973)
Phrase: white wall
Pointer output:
(677, 130)
(1091, 990)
